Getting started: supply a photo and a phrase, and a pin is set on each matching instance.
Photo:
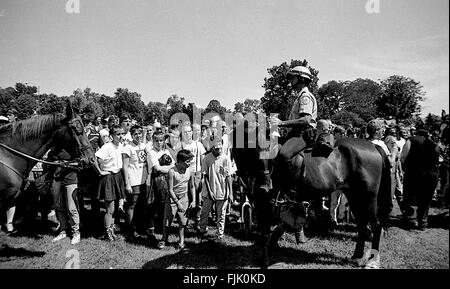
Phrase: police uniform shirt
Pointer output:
(305, 103)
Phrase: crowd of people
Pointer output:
(145, 175)
(150, 175)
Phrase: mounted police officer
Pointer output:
(301, 121)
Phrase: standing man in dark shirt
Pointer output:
(420, 159)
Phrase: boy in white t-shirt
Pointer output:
(198, 151)
(134, 158)
(159, 162)
(216, 189)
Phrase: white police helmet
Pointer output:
(301, 71)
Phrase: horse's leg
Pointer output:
(356, 203)
(270, 245)
(373, 261)
(275, 236)
(263, 210)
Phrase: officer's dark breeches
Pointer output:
(293, 146)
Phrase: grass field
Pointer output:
(400, 249)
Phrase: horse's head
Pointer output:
(71, 137)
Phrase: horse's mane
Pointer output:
(32, 128)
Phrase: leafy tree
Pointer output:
(7, 99)
(24, 100)
(21, 89)
(25, 105)
(214, 107)
(361, 96)
(249, 105)
(330, 98)
(278, 96)
(358, 96)
(107, 105)
(126, 101)
(175, 104)
(347, 118)
(51, 104)
(84, 102)
(155, 110)
(400, 98)
(432, 121)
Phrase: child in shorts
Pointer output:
(181, 180)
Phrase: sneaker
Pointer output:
(300, 237)
(10, 228)
(182, 248)
(113, 231)
(421, 227)
(75, 239)
(61, 236)
(220, 239)
(108, 235)
(161, 245)
(373, 262)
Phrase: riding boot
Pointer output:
(274, 237)
(266, 182)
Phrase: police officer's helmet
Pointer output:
(300, 71)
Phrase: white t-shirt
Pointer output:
(382, 145)
(127, 138)
(216, 170)
(197, 149)
(110, 157)
(400, 143)
(137, 171)
(104, 134)
(153, 157)
(149, 146)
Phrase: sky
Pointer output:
(211, 49)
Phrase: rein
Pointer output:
(63, 164)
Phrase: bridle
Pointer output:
(75, 129)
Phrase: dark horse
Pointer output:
(354, 166)
(24, 142)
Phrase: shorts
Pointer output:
(171, 210)
(136, 190)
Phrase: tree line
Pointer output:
(344, 102)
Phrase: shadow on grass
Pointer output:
(210, 254)
(438, 220)
(10, 252)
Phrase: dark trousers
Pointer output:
(418, 192)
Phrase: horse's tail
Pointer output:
(384, 197)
